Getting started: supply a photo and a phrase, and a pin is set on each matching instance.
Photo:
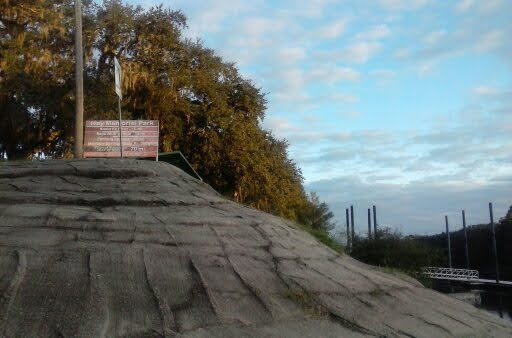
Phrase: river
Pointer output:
(495, 301)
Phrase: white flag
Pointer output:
(117, 70)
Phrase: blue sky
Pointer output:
(406, 104)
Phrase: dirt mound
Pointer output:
(138, 248)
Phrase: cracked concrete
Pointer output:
(139, 249)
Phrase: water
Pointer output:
(495, 301)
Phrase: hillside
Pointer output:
(138, 248)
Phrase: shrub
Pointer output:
(392, 250)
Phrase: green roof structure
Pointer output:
(177, 159)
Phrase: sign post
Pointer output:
(79, 82)
(117, 75)
(140, 138)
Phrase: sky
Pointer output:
(402, 104)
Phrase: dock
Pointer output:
(466, 276)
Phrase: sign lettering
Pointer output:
(140, 138)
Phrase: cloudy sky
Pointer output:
(406, 104)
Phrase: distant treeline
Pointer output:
(394, 251)
(480, 249)
(410, 253)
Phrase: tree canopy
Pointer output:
(206, 108)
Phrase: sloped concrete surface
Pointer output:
(140, 249)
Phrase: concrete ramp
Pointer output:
(127, 248)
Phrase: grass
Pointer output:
(307, 302)
(425, 281)
(326, 239)
(392, 271)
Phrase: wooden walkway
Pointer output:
(493, 281)
(461, 275)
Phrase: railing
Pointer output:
(449, 273)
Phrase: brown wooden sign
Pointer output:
(140, 138)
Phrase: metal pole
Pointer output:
(448, 237)
(79, 83)
(495, 251)
(465, 238)
(369, 224)
(348, 228)
(157, 144)
(352, 221)
(120, 129)
(374, 222)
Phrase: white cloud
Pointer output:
(212, 15)
(332, 30)
(383, 76)
(259, 26)
(353, 115)
(402, 53)
(485, 90)
(310, 8)
(483, 7)
(434, 37)
(465, 40)
(464, 5)
(342, 98)
(375, 33)
(383, 73)
(426, 68)
(291, 54)
(332, 74)
(434, 172)
(490, 41)
(301, 101)
(290, 87)
(414, 208)
(490, 6)
(359, 52)
(279, 125)
(292, 78)
(403, 4)
(500, 96)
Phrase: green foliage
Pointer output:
(394, 251)
(36, 73)
(316, 214)
(327, 239)
(318, 220)
(508, 216)
(206, 109)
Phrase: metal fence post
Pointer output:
(495, 251)
(465, 237)
(352, 223)
(369, 224)
(374, 222)
(448, 237)
(348, 228)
